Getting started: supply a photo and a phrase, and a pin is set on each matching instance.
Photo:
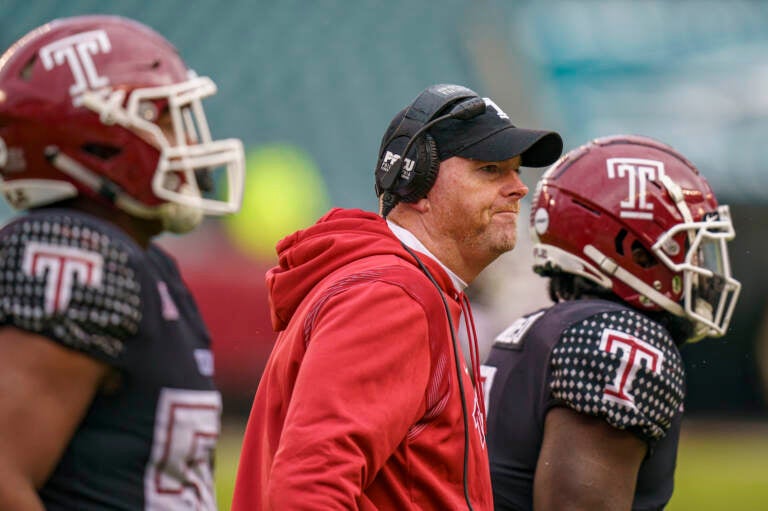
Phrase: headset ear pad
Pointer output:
(424, 171)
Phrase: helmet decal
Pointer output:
(76, 51)
(541, 221)
(637, 173)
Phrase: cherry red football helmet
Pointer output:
(104, 106)
(634, 216)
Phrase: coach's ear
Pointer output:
(421, 205)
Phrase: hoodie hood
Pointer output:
(339, 238)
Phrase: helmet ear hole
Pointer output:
(641, 256)
(101, 151)
(425, 172)
(618, 242)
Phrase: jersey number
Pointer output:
(180, 470)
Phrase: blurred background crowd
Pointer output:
(309, 86)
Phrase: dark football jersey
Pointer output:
(598, 358)
(82, 283)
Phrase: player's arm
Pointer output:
(609, 373)
(585, 464)
(45, 390)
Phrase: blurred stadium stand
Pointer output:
(326, 76)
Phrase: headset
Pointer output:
(403, 176)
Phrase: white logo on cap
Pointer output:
(489, 103)
(447, 90)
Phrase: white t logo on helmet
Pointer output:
(76, 51)
(638, 172)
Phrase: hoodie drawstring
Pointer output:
(474, 351)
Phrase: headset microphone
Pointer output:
(468, 109)
(464, 111)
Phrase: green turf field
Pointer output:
(722, 466)
(227, 453)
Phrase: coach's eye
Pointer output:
(490, 169)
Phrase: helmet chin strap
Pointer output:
(610, 267)
(700, 330)
(702, 308)
(176, 218)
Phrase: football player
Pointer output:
(586, 396)
(106, 388)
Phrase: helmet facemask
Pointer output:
(709, 290)
(189, 159)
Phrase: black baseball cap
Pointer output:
(490, 136)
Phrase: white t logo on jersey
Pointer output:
(634, 354)
(62, 267)
(76, 51)
(638, 172)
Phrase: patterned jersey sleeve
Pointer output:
(67, 278)
(622, 367)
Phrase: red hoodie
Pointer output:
(359, 406)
